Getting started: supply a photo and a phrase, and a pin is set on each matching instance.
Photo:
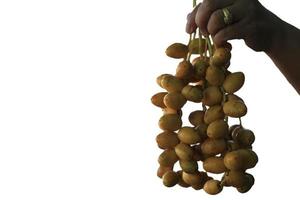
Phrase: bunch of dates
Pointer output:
(208, 145)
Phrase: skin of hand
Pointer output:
(258, 27)
(251, 22)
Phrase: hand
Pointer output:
(251, 22)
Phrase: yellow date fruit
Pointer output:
(188, 135)
(213, 147)
(160, 77)
(220, 57)
(197, 117)
(234, 82)
(167, 158)
(170, 179)
(244, 137)
(192, 93)
(217, 129)
(200, 66)
(174, 100)
(235, 109)
(203, 180)
(162, 170)
(214, 165)
(247, 186)
(233, 97)
(172, 111)
(184, 70)
(236, 178)
(215, 76)
(214, 113)
(184, 151)
(212, 96)
(233, 128)
(232, 145)
(172, 83)
(195, 179)
(189, 166)
(202, 129)
(170, 122)
(198, 155)
(212, 187)
(167, 140)
(158, 99)
(197, 46)
(241, 159)
(177, 50)
(181, 181)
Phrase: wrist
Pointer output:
(277, 35)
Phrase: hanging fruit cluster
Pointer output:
(208, 140)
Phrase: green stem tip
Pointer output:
(194, 3)
(209, 46)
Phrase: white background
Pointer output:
(76, 122)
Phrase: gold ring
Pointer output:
(228, 19)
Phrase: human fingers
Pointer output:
(191, 25)
(216, 21)
(206, 9)
(234, 31)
